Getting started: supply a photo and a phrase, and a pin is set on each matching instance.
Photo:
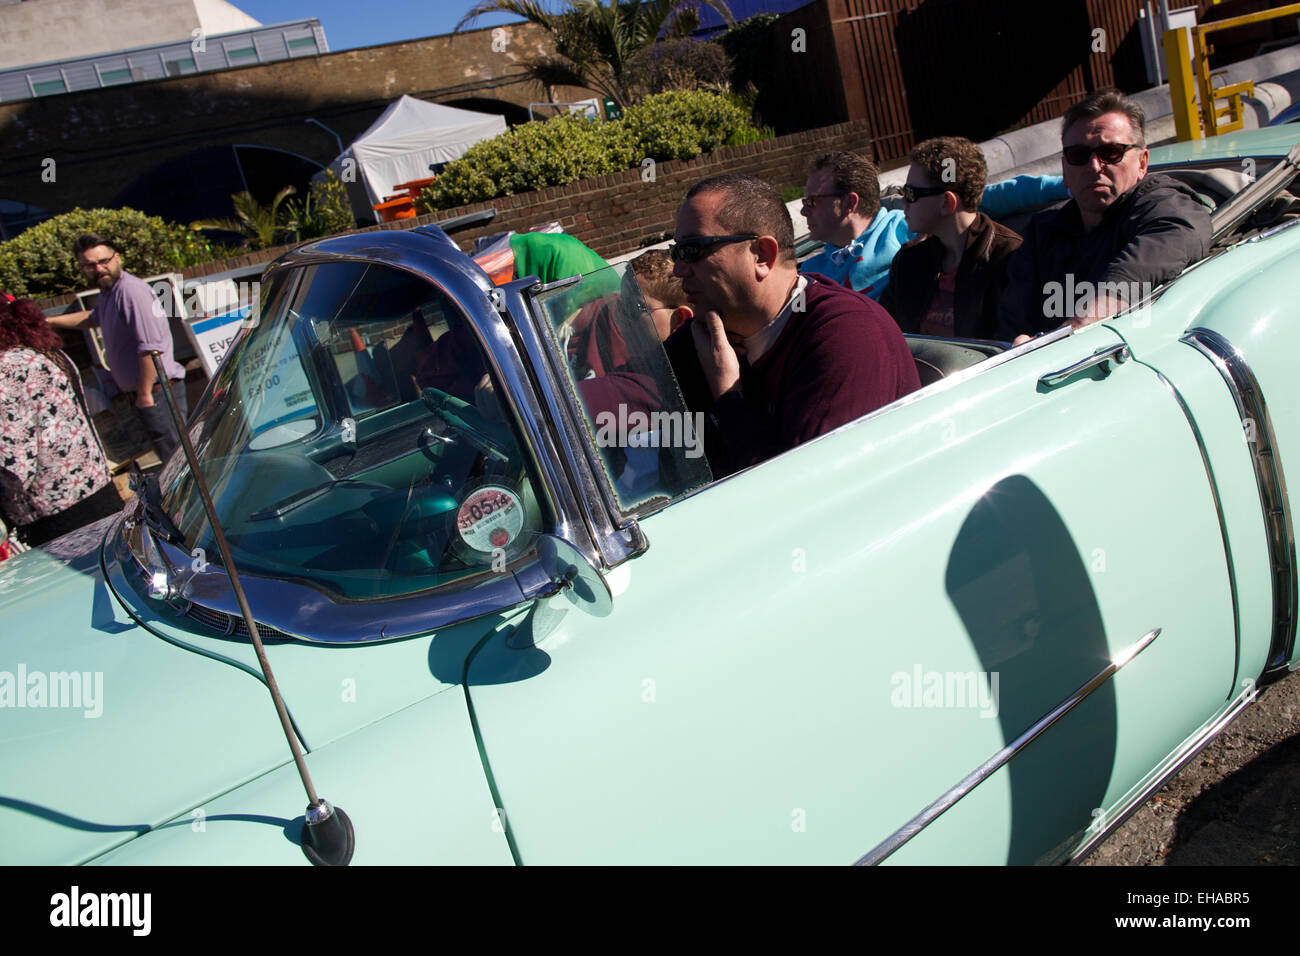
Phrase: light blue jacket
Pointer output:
(865, 261)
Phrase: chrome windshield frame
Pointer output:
(617, 537)
(307, 613)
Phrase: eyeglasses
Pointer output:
(692, 250)
(811, 200)
(913, 193)
(91, 265)
(1108, 153)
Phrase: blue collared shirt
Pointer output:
(863, 265)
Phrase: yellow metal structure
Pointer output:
(1182, 84)
(1195, 99)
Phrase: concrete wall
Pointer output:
(41, 30)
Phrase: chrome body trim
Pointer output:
(981, 773)
(1269, 477)
(1175, 762)
(1218, 511)
(1271, 231)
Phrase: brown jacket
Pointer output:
(914, 279)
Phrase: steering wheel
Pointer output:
(463, 418)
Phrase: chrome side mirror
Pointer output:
(574, 576)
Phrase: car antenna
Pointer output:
(328, 837)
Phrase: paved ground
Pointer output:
(1237, 802)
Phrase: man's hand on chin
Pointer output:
(717, 355)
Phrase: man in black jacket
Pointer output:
(1122, 234)
(948, 280)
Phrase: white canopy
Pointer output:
(399, 146)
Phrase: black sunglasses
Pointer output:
(691, 250)
(913, 193)
(1108, 153)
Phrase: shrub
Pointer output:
(680, 125)
(324, 212)
(39, 261)
(532, 156)
(749, 134)
(673, 125)
(679, 64)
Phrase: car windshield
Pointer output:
(343, 445)
(648, 446)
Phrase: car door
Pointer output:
(815, 650)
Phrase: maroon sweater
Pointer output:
(839, 359)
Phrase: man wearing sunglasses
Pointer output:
(772, 357)
(1123, 233)
(841, 205)
(947, 281)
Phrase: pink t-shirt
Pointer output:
(940, 320)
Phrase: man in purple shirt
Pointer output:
(133, 324)
(774, 358)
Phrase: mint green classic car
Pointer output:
(511, 622)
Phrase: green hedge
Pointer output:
(39, 262)
(532, 156)
(681, 125)
(674, 125)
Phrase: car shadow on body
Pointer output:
(1024, 596)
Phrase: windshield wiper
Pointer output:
(299, 498)
(154, 514)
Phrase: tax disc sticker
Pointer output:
(490, 518)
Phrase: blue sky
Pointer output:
(353, 23)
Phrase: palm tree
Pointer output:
(595, 42)
(261, 225)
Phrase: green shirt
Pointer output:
(552, 255)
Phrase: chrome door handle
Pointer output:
(1107, 357)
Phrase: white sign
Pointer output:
(212, 336)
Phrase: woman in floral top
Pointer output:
(54, 477)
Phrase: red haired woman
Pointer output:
(54, 477)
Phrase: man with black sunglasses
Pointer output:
(772, 357)
(1123, 233)
(841, 205)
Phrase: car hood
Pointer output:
(110, 726)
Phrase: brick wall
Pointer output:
(622, 212)
(619, 212)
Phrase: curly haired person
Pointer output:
(54, 477)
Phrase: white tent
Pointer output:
(400, 145)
